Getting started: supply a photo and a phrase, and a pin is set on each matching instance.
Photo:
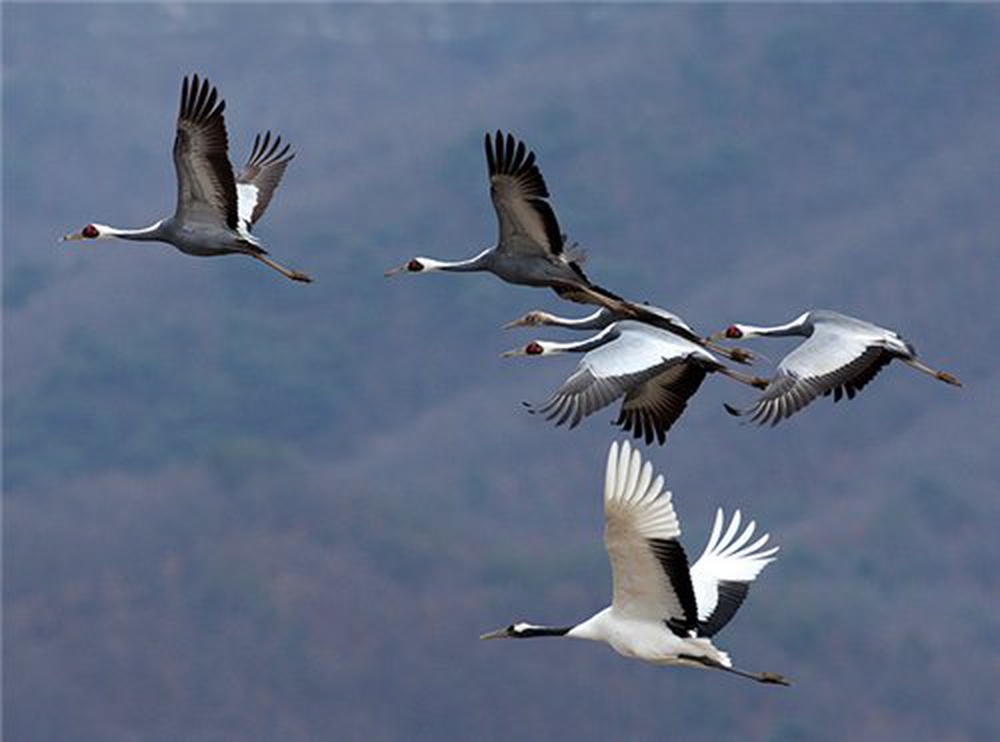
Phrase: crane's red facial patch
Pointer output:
(414, 266)
(733, 332)
(534, 349)
(90, 232)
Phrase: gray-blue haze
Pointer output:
(240, 508)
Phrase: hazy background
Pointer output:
(241, 508)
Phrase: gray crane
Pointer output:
(646, 313)
(840, 356)
(656, 371)
(216, 209)
(531, 250)
(663, 611)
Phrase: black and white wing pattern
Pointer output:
(256, 183)
(827, 362)
(722, 575)
(651, 408)
(656, 371)
(527, 222)
(641, 532)
(206, 188)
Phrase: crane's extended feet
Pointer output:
(770, 678)
(736, 355)
(755, 381)
(939, 375)
(286, 272)
(948, 378)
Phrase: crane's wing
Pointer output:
(206, 188)
(651, 408)
(256, 183)
(827, 362)
(628, 357)
(723, 573)
(527, 222)
(648, 564)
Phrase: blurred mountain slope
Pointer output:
(241, 508)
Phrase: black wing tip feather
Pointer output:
(200, 100)
(265, 152)
(507, 155)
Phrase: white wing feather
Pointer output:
(637, 508)
(727, 558)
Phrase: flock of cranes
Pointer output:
(663, 611)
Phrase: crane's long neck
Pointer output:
(479, 262)
(798, 326)
(596, 321)
(581, 346)
(153, 232)
(530, 631)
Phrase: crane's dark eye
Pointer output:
(734, 332)
(414, 266)
(534, 349)
(90, 232)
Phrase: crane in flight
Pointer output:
(663, 611)
(656, 372)
(216, 208)
(531, 250)
(840, 356)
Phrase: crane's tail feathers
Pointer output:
(574, 251)
(286, 272)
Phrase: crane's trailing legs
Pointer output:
(939, 375)
(754, 381)
(286, 272)
(771, 678)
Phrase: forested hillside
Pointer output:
(241, 508)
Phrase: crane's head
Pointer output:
(90, 232)
(418, 265)
(531, 319)
(508, 632)
(534, 348)
(733, 332)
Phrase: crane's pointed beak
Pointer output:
(519, 322)
(71, 237)
(720, 335)
(395, 271)
(498, 634)
(513, 353)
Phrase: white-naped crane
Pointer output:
(663, 611)
(646, 313)
(656, 372)
(531, 250)
(840, 356)
(216, 208)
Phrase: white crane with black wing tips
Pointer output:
(662, 611)
(216, 208)
(656, 372)
(840, 356)
(531, 250)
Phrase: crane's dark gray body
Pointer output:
(531, 249)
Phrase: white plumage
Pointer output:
(662, 611)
